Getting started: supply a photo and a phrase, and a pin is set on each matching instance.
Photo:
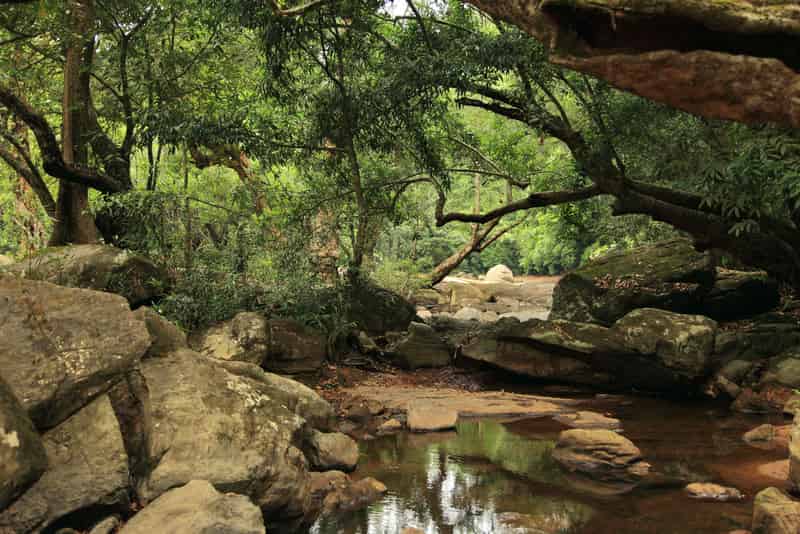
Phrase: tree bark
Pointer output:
(737, 60)
(73, 225)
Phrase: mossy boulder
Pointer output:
(669, 275)
(740, 294)
(98, 267)
(421, 347)
(377, 310)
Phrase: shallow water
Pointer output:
(498, 477)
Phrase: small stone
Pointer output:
(431, 418)
(713, 492)
(332, 450)
(392, 425)
(584, 419)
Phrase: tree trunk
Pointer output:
(73, 224)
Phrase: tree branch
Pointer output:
(534, 200)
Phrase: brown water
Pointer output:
(498, 477)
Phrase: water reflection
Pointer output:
(493, 477)
(481, 479)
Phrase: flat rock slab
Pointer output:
(423, 418)
(584, 419)
(397, 399)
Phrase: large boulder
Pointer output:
(22, 455)
(499, 273)
(600, 455)
(331, 450)
(244, 338)
(88, 469)
(681, 343)
(763, 337)
(294, 348)
(669, 275)
(421, 347)
(377, 310)
(62, 347)
(739, 294)
(249, 440)
(774, 512)
(197, 508)
(99, 267)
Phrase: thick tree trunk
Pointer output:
(73, 224)
(736, 59)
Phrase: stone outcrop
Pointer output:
(649, 349)
(294, 348)
(681, 343)
(774, 512)
(88, 467)
(669, 275)
(98, 267)
(22, 455)
(249, 438)
(331, 451)
(243, 339)
(421, 346)
(278, 345)
(426, 418)
(601, 455)
(62, 347)
(197, 508)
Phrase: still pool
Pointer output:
(493, 476)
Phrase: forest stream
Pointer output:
(497, 476)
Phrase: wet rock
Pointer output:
(584, 419)
(248, 442)
(354, 496)
(109, 525)
(769, 399)
(669, 275)
(98, 267)
(421, 347)
(425, 418)
(762, 337)
(377, 310)
(681, 343)
(22, 455)
(244, 338)
(601, 455)
(165, 337)
(499, 273)
(321, 484)
(88, 468)
(736, 370)
(774, 512)
(713, 492)
(197, 507)
(294, 348)
(62, 347)
(331, 451)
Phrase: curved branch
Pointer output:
(534, 200)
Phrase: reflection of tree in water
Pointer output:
(481, 480)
